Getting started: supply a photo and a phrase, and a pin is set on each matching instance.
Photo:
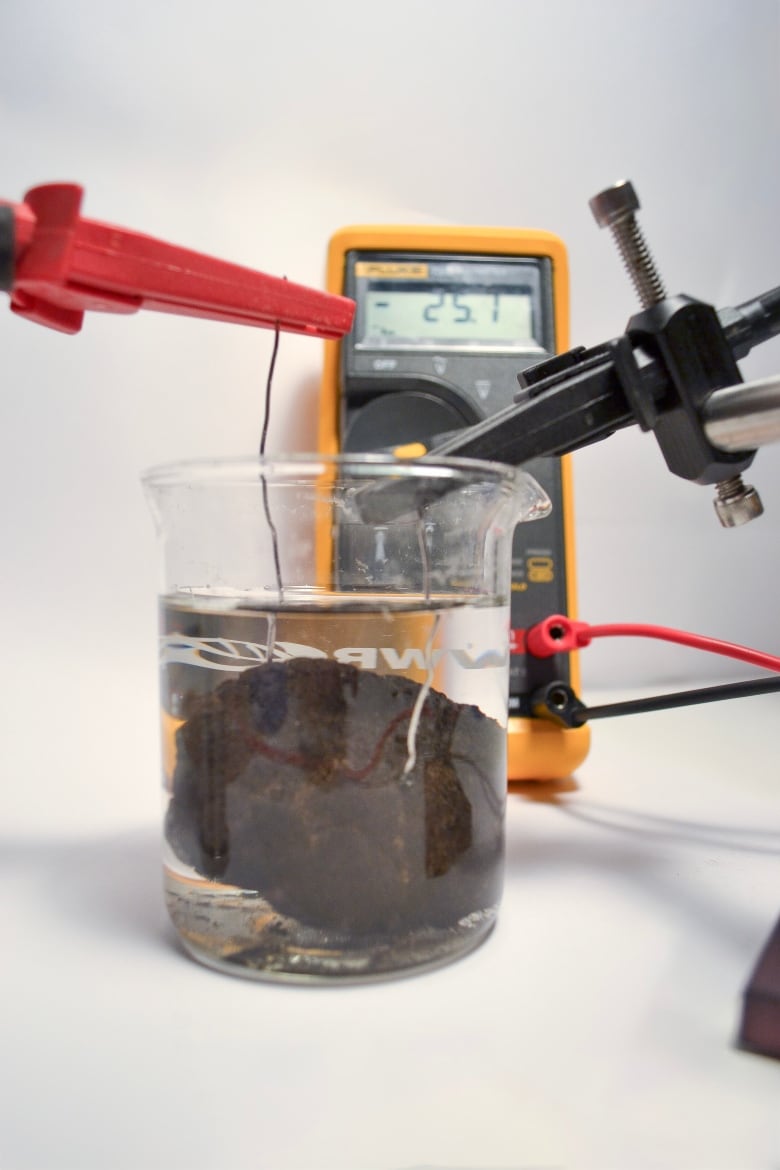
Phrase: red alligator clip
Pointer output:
(56, 265)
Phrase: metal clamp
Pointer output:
(615, 208)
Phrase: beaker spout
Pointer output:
(386, 501)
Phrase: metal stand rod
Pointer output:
(741, 418)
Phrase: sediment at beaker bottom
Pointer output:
(239, 932)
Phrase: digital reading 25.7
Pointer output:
(409, 314)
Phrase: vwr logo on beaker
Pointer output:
(230, 654)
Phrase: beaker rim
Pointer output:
(428, 480)
(245, 468)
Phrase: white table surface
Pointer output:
(595, 1028)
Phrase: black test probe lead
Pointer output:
(558, 702)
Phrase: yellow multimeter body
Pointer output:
(446, 317)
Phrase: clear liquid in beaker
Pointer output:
(304, 839)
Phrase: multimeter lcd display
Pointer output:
(424, 304)
(450, 315)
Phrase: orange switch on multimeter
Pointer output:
(446, 317)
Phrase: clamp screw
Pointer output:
(735, 502)
(614, 208)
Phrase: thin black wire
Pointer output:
(263, 440)
(737, 690)
(268, 387)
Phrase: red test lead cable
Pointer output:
(562, 635)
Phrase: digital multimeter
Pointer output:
(445, 319)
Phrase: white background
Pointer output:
(252, 131)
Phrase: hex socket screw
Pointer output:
(736, 502)
(615, 208)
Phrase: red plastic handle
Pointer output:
(64, 265)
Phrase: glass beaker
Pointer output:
(334, 677)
